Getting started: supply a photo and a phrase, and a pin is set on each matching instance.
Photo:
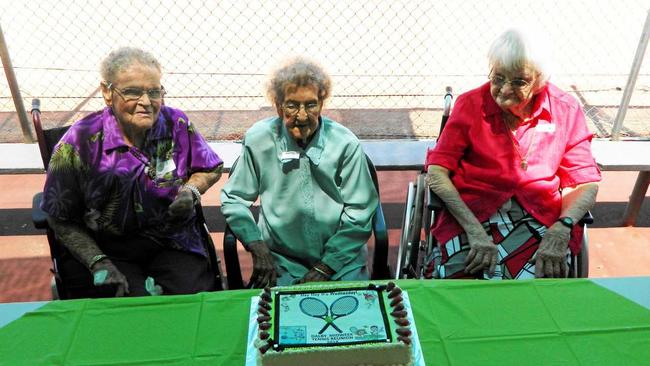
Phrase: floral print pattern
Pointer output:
(95, 178)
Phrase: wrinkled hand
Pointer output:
(263, 270)
(182, 208)
(550, 259)
(317, 275)
(105, 273)
(482, 254)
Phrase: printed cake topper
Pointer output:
(292, 318)
(313, 317)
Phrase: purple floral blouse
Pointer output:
(95, 179)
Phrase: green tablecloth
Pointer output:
(544, 322)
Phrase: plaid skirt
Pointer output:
(516, 234)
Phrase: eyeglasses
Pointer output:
(500, 80)
(293, 108)
(133, 94)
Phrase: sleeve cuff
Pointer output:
(334, 263)
(589, 174)
(249, 238)
(434, 158)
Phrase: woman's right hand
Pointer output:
(105, 273)
(263, 269)
(482, 254)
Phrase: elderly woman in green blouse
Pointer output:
(316, 194)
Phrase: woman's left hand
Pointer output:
(551, 257)
(182, 207)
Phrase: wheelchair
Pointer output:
(378, 270)
(419, 215)
(47, 139)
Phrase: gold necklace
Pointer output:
(523, 159)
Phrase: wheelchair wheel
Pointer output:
(404, 249)
(429, 243)
(583, 256)
(417, 245)
(411, 243)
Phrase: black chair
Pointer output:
(416, 241)
(47, 139)
(379, 269)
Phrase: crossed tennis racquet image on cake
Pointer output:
(343, 306)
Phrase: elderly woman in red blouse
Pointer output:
(515, 171)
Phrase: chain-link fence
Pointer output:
(390, 60)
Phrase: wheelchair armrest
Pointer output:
(380, 268)
(39, 217)
(231, 259)
(587, 219)
(208, 244)
(433, 201)
(379, 224)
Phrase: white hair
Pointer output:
(123, 57)
(516, 48)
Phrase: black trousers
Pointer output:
(176, 272)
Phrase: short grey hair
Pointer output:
(123, 57)
(515, 48)
(299, 71)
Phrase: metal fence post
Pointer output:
(631, 80)
(15, 91)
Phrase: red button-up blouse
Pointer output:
(485, 166)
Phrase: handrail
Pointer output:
(15, 90)
(631, 80)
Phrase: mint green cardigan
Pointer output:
(317, 207)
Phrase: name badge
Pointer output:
(547, 128)
(164, 168)
(287, 156)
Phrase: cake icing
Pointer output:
(333, 324)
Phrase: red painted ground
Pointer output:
(614, 250)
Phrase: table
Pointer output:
(533, 322)
(626, 156)
(609, 155)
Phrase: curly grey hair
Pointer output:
(515, 48)
(299, 71)
(121, 58)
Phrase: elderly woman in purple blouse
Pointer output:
(121, 188)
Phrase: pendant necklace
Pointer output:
(524, 158)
